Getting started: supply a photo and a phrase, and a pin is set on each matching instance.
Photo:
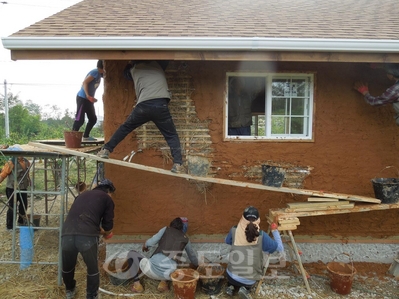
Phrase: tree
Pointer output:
(23, 122)
(27, 122)
(12, 101)
(33, 108)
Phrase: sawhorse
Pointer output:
(295, 254)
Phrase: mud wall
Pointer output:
(353, 142)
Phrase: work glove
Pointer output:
(108, 235)
(144, 249)
(273, 226)
(361, 87)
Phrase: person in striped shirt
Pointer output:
(390, 96)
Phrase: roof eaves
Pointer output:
(201, 43)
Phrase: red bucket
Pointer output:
(73, 139)
(341, 277)
(184, 283)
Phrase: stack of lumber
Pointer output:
(288, 219)
(288, 223)
(318, 206)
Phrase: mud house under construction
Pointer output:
(299, 59)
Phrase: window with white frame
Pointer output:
(269, 106)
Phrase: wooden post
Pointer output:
(298, 258)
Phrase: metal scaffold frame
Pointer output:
(57, 185)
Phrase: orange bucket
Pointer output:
(73, 139)
(341, 277)
(184, 283)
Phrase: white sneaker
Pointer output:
(178, 168)
(70, 294)
(103, 153)
(230, 290)
(243, 293)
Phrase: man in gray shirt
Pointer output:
(152, 105)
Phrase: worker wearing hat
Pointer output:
(20, 166)
(248, 243)
(390, 96)
(91, 215)
(170, 242)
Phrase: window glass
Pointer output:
(269, 106)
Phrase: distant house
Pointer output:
(298, 61)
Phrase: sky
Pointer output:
(44, 82)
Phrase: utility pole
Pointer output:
(6, 110)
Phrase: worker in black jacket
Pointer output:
(91, 215)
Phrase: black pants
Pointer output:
(156, 111)
(22, 205)
(84, 107)
(88, 248)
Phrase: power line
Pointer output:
(39, 84)
(23, 4)
(35, 5)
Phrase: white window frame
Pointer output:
(308, 130)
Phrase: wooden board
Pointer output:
(289, 221)
(287, 227)
(322, 199)
(294, 205)
(209, 179)
(29, 150)
(275, 214)
(62, 141)
(310, 209)
(199, 55)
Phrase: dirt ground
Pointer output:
(40, 281)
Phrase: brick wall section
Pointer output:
(193, 133)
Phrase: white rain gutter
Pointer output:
(200, 43)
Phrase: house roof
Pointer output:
(282, 25)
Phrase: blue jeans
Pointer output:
(156, 111)
(88, 248)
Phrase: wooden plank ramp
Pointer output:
(208, 179)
